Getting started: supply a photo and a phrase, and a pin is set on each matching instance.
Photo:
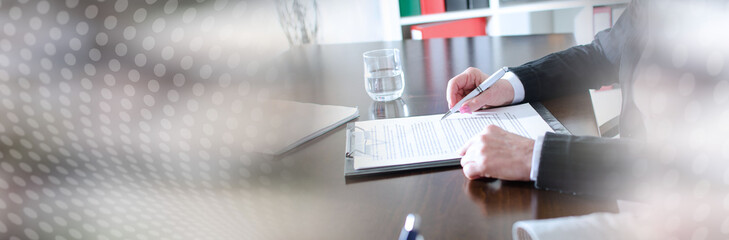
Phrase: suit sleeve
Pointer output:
(589, 165)
(580, 67)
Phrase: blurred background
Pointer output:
(141, 119)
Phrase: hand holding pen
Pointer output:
(498, 92)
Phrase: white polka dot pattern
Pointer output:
(125, 120)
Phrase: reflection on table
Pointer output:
(391, 109)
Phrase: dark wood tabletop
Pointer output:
(320, 202)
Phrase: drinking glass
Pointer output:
(384, 80)
(393, 109)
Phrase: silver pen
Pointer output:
(479, 89)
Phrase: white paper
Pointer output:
(402, 141)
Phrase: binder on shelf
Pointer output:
(409, 8)
(432, 6)
(459, 28)
(474, 4)
(601, 19)
(456, 5)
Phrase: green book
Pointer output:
(409, 8)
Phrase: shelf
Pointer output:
(447, 16)
(515, 7)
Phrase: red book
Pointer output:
(460, 28)
(432, 6)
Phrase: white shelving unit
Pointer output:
(582, 19)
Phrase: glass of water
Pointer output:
(384, 80)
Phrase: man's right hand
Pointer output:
(500, 94)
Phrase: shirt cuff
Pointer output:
(536, 157)
(517, 85)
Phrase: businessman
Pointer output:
(575, 164)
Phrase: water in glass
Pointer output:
(384, 80)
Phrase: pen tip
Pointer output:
(445, 116)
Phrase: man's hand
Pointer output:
(499, 94)
(496, 153)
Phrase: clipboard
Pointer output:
(356, 141)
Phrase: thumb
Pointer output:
(500, 94)
(476, 103)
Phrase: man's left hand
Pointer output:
(496, 153)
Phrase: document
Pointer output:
(413, 140)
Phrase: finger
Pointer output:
(473, 170)
(465, 146)
(489, 98)
(452, 90)
(457, 88)
(470, 172)
(463, 151)
(462, 84)
(474, 166)
(491, 130)
(474, 104)
(465, 161)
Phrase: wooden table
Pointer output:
(452, 207)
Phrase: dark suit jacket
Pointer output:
(589, 165)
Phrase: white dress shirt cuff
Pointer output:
(517, 85)
(536, 155)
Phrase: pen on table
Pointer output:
(410, 230)
(479, 89)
